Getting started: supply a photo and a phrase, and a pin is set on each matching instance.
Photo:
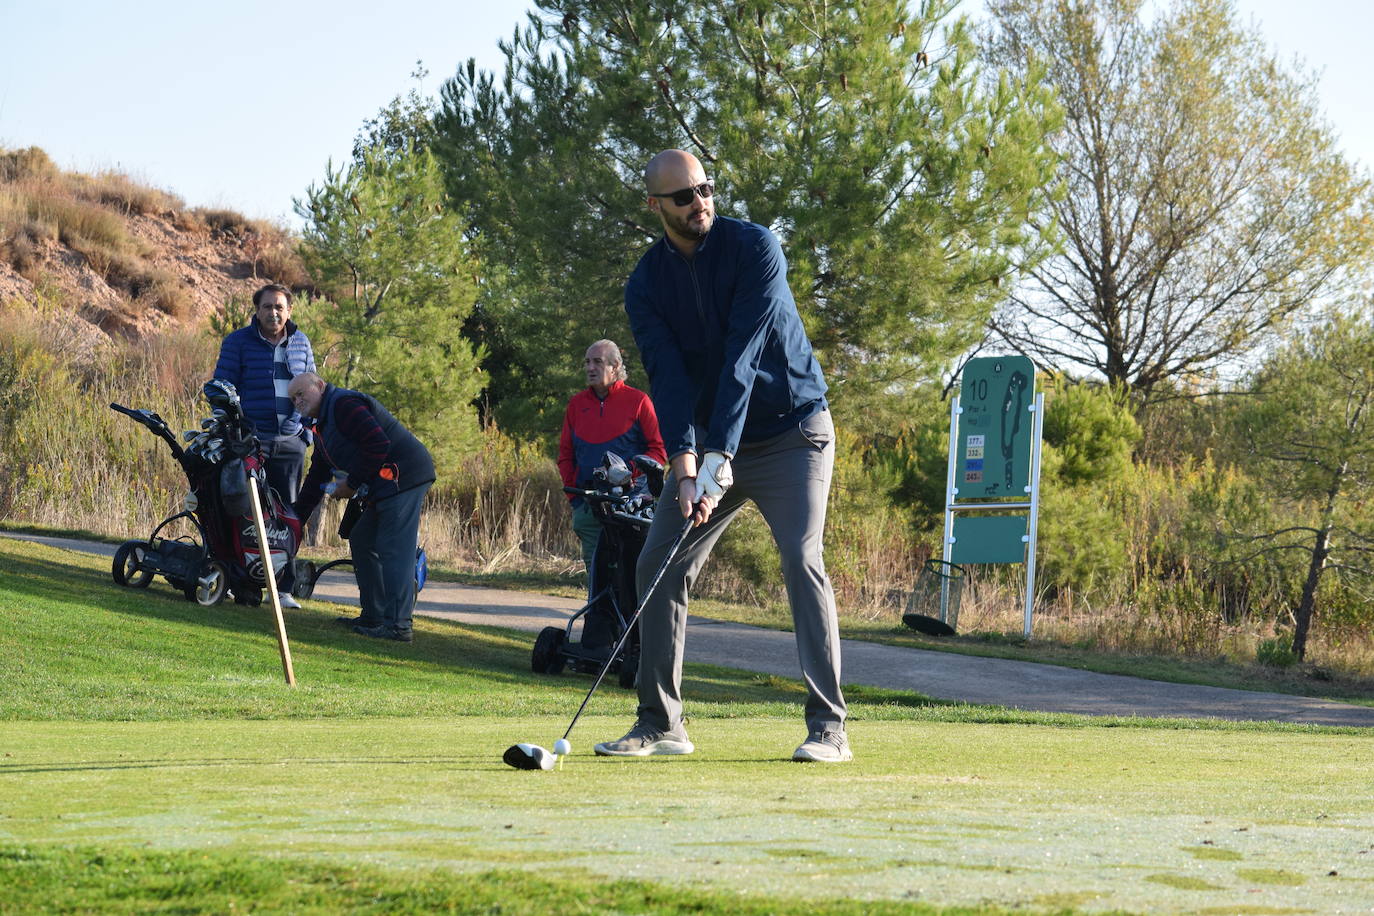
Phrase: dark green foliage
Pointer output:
(403, 124)
(399, 283)
(1276, 652)
(1092, 431)
(900, 182)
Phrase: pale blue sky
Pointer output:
(240, 105)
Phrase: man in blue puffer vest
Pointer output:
(259, 361)
(742, 409)
(380, 463)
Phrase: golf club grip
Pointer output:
(629, 627)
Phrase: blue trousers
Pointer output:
(383, 544)
(285, 467)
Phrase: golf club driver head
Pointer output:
(529, 757)
(532, 756)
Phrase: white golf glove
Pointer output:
(714, 477)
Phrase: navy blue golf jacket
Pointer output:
(727, 356)
(248, 362)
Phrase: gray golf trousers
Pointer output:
(788, 479)
(383, 544)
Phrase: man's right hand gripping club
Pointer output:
(700, 489)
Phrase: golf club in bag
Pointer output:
(222, 554)
(533, 757)
(623, 503)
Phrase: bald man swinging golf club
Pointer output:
(742, 410)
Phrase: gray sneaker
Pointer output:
(645, 741)
(824, 747)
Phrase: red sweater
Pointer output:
(624, 423)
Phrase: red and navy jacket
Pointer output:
(623, 422)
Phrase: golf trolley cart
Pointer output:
(222, 554)
(625, 507)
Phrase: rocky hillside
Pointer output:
(114, 258)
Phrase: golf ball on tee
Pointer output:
(561, 747)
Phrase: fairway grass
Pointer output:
(942, 813)
(151, 759)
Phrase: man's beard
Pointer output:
(684, 228)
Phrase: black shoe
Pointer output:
(386, 631)
(358, 621)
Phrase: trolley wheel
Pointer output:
(547, 657)
(304, 586)
(128, 568)
(213, 584)
(629, 671)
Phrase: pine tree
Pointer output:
(1206, 200)
(398, 283)
(900, 180)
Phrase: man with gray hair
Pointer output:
(606, 416)
(741, 400)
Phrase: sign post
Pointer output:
(995, 431)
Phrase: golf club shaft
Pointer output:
(634, 618)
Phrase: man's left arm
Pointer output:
(306, 435)
(357, 424)
(760, 294)
(312, 488)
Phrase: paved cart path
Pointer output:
(945, 675)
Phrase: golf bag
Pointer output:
(623, 501)
(222, 460)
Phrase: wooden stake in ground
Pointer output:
(269, 573)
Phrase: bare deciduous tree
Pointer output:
(1205, 199)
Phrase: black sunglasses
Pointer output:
(682, 198)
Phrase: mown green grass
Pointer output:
(111, 653)
(89, 879)
(1301, 681)
(152, 760)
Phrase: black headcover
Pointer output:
(233, 488)
(222, 395)
(653, 473)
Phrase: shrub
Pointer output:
(1092, 431)
(164, 292)
(226, 223)
(190, 221)
(1276, 652)
(20, 249)
(86, 222)
(19, 164)
(280, 262)
(117, 190)
(232, 315)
